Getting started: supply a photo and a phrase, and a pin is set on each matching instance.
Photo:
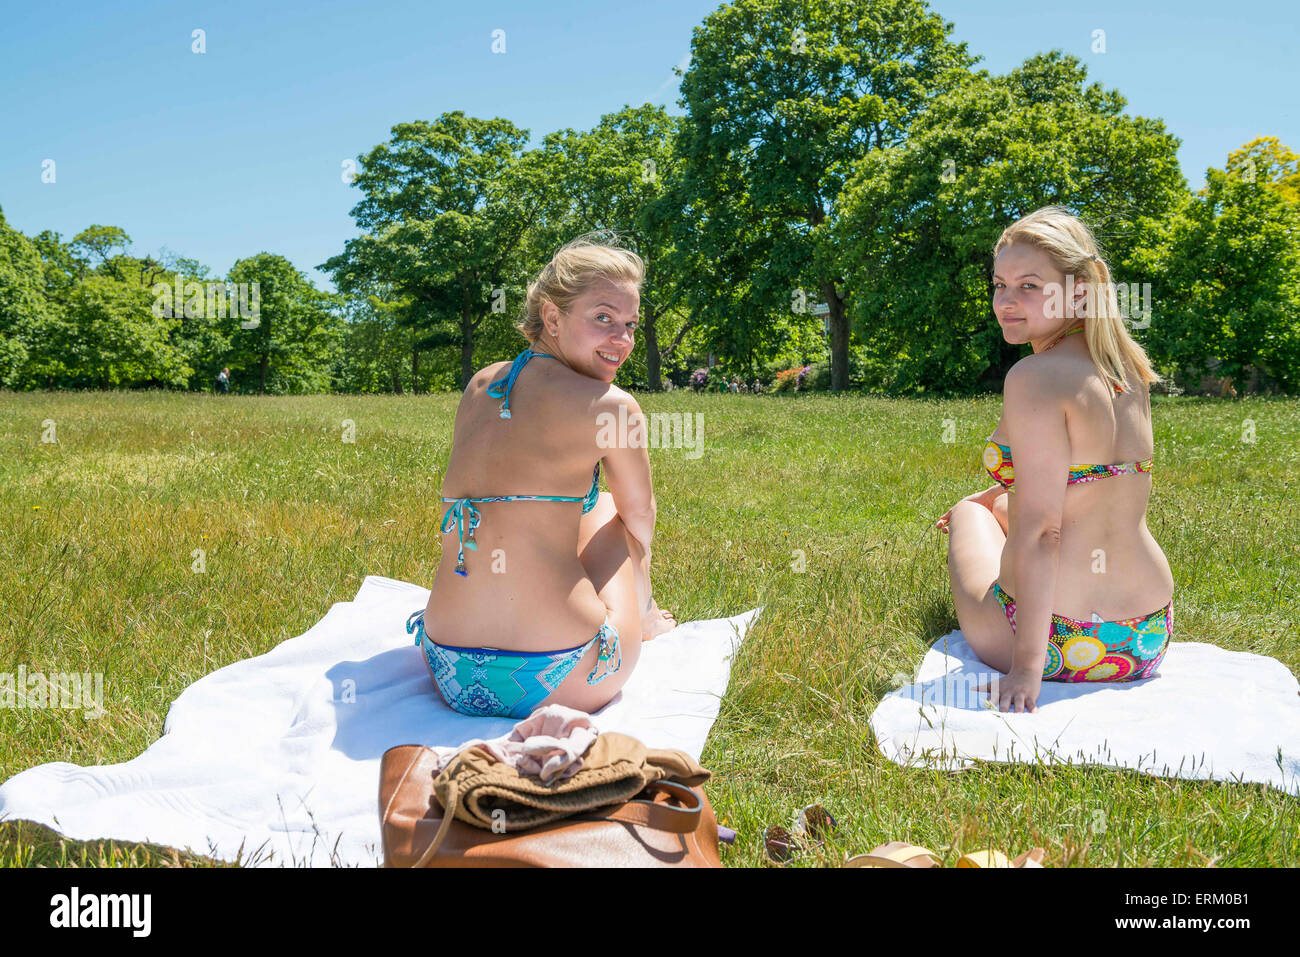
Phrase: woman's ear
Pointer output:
(550, 318)
(1081, 298)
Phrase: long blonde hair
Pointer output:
(1074, 250)
(573, 268)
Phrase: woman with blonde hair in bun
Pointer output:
(548, 599)
(1054, 573)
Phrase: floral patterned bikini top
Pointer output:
(997, 457)
(997, 460)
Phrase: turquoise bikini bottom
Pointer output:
(488, 682)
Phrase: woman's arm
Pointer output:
(1033, 414)
(627, 467)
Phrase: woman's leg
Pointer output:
(975, 541)
(605, 550)
(602, 551)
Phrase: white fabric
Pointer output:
(281, 752)
(1208, 713)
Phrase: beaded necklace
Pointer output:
(1068, 332)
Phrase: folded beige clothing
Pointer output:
(548, 744)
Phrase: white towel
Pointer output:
(1208, 713)
(281, 752)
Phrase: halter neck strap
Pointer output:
(500, 389)
(1067, 332)
(1070, 332)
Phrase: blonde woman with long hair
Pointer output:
(547, 602)
(1054, 573)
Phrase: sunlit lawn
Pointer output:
(100, 533)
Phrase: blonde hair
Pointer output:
(574, 267)
(1074, 250)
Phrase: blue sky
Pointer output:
(239, 150)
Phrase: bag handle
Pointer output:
(653, 814)
(448, 815)
(683, 819)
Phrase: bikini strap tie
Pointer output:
(456, 515)
(411, 626)
(500, 389)
(608, 651)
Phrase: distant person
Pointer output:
(223, 381)
(735, 384)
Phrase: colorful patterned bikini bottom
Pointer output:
(1123, 650)
(488, 682)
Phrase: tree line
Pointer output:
(830, 195)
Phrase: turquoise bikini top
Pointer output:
(463, 512)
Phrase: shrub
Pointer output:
(790, 380)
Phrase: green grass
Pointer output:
(100, 530)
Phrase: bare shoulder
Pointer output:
(1044, 379)
(585, 396)
(579, 407)
(487, 375)
(611, 398)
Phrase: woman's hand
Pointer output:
(1017, 691)
(985, 498)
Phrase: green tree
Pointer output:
(103, 246)
(614, 178)
(446, 207)
(111, 338)
(1267, 160)
(782, 96)
(101, 330)
(202, 335)
(919, 220)
(23, 310)
(291, 344)
(375, 346)
(61, 268)
(1229, 298)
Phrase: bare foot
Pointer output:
(995, 503)
(656, 621)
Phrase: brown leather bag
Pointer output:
(628, 806)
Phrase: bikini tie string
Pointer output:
(501, 388)
(456, 514)
(608, 650)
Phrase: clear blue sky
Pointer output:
(236, 151)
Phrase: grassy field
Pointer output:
(99, 531)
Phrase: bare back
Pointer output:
(526, 589)
(1110, 564)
